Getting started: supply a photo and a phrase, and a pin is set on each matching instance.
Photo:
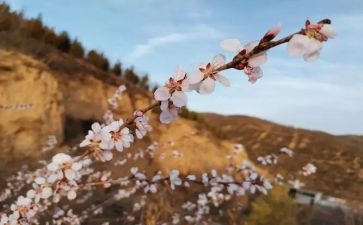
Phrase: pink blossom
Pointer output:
(205, 77)
(169, 112)
(114, 135)
(41, 190)
(274, 31)
(62, 166)
(174, 179)
(94, 137)
(252, 66)
(309, 43)
(142, 124)
(174, 89)
(302, 45)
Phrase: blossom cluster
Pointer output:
(52, 142)
(65, 175)
(116, 135)
(308, 169)
(309, 42)
(113, 101)
(249, 58)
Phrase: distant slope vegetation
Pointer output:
(60, 52)
(339, 158)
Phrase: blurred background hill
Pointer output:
(67, 86)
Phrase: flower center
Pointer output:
(116, 135)
(313, 31)
(174, 85)
(209, 71)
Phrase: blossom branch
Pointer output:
(61, 177)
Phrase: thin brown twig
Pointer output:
(258, 49)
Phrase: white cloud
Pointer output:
(143, 49)
(190, 33)
(324, 96)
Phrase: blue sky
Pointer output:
(157, 35)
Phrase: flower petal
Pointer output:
(313, 46)
(70, 174)
(84, 143)
(168, 116)
(250, 46)
(179, 98)
(258, 59)
(76, 166)
(179, 73)
(297, 45)
(61, 158)
(218, 60)
(71, 195)
(312, 56)
(52, 166)
(186, 86)
(255, 75)
(274, 31)
(223, 80)
(107, 155)
(206, 86)
(328, 30)
(164, 105)
(195, 77)
(96, 127)
(46, 192)
(39, 180)
(162, 94)
(119, 146)
(231, 45)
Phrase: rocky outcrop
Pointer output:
(35, 101)
(31, 105)
(60, 102)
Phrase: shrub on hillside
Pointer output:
(117, 69)
(277, 208)
(98, 60)
(62, 42)
(131, 76)
(76, 49)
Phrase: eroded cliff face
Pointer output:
(26, 81)
(35, 101)
(56, 98)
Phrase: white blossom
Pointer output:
(297, 184)
(142, 124)
(169, 111)
(174, 89)
(204, 78)
(256, 182)
(174, 179)
(138, 175)
(328, 30)
(308, 169)
(4, 219)
(41, 190)
(117, 136)
(252, 67)
(238, 149)
(287, 151)
(268, 159)
(99, 140)
(62, 165)
(302, 45)
(191, 177)
(309, 43)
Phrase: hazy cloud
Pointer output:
(190, 33)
